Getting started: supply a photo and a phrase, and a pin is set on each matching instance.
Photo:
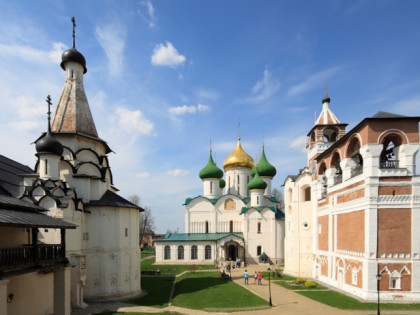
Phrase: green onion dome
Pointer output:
(211, 170)
(253, 171)
(264, 167)
(222, 183)
(257, 183)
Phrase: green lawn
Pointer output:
(283, 284)
(209, 291)
(147, 254)
(342, 301)
(159, 290)
(147, 265)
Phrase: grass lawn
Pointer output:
(209, 291)
(342, 301)
(283, 284)
(158, 290)
(146, 265)
(146, 254)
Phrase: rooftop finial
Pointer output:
(326, 89)
(263, 140)
(239, 129)
(74, 26)
(210, 145)
(49, 113)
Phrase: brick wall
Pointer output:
(323, 236)
(351, 231)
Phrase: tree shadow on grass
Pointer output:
(158, 291)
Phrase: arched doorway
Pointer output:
(232, 252)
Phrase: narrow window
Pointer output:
(211, 187)
(259, 227)
(258, 200)
(194, 252)
(229, 186)
(354, 276)
(207, 252)
(258, 250)
(231, 226)
(181, 252)
(207, 226)
(46, 167)
(167, 253)
(126, 232)
(238, 184)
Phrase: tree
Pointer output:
(147, 221)
(278, 194)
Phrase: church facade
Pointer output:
(365, 206)
(243, 222)
(73, 180)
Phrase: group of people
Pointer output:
(237, 264)
(257, 277)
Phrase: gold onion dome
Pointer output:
(238, 159)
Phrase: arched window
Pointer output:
(211, 187)
(259, 250)
(389, 157)
(330, 135)
(194, 252)
(306, 193)
(167, 255)
(207, 226)
(231, 226)
(259, 227)
(181, 252)
(207, 252)
(289, 195)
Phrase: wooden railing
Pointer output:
(29, 256)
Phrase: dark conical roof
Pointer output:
(48, 144)
(73, 54)
(211, 170)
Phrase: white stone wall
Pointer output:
(238, 178)
(160, 248)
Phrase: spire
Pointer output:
(49, 113)
(326, 98)
(239, 130)
(326, 117)
(48, 144)
(263, 140)
(74, 26)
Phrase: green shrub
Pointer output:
(310, 284)
(300, 280)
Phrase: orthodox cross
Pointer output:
(326, 89)
(49, 113)
(239, 129)
(74, 26)
(263, 140)
(210, 145)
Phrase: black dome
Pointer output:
(48, 144)
(326, 99)
(73, 55)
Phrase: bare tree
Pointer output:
(147, 221)
(278, 194)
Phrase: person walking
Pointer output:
(259, 278)
(255, 277)
(246, 277)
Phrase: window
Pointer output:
(305, 225)
(307, 194)
(181, 252)
(258, 250)
(207, 252)
(46, 167)
(207, 226)
(194, 252)
(238, 184)
(231, 226)
(258, 200)
(126, 232)
(395, 280)
(259, 227)
(354, 276)
(211, 187)
(167, 255)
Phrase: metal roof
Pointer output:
(28, 218)
(110, 198)
(187, 237)
(15, 203)
(11, 175)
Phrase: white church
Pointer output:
(245, 222)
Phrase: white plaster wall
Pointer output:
(160, 247)
(232, 181)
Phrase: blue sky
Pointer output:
(165, 76)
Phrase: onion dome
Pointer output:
(264, 167)
(238, 159)
(326, 97)
(49, 144)
(222, 183)
(73, 54)
(211, 170)
(257, 183)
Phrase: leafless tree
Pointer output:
(278, 194)
(147, 221)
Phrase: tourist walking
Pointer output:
(259, 278)
(246, 277)
(255, 277)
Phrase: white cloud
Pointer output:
(184, 109)
(312, 81)
(177, 172)
(111, 37)
(167, 56)
(150, 18)
(143, 175)
(264, 89)
(207, 94)
(299, 143)
(134, 121)
(30, 54)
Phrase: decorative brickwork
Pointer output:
(360, 193)
(386, 271)
(351, 231)
(394, 190)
